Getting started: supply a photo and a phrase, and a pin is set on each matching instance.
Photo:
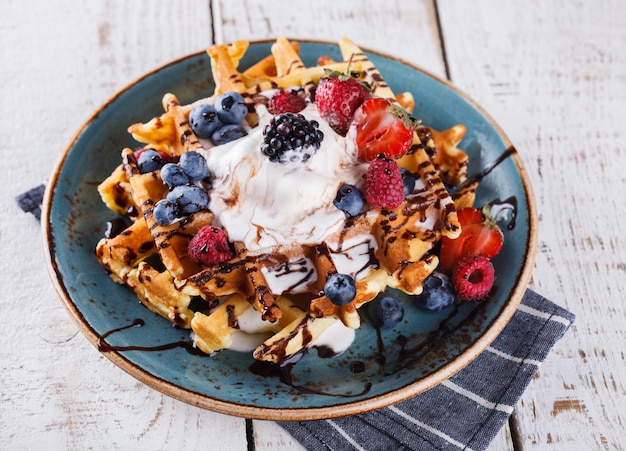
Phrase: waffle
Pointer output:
(393, 245)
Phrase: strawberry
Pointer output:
(286, 102)
(383, 187)
(337, 97)
(210, 246)
(382, 128)
(473, 278)
(480, 235)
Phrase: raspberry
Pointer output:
(473, 278)
(210, 246)
(383, 187)
(286, 102)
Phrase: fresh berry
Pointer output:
(188, 199)
(473, 278)
(286, 102)
(381, 128)
(164, 156)
(210, 246)
(480, 235)
(383, 187)
(340, 288)
(173, 175)
(386, 311)
(290, 137)
(408, 180)
(194, 165)
(203, 120)
(438, 293)
(149, 160)
(165, 212)
(227, 133)
(350, 200)
(231, 108)
(337, 97)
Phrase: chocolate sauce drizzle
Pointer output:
(482, 174)
(103, 346)
(434, 340)
(283, 372)
(406, 356)
(502, 210)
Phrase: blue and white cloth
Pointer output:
(464, 412)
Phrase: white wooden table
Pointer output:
(552, 73)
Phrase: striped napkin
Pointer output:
(464, 412)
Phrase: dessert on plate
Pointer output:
(266, 215)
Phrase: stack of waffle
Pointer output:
(152, 259)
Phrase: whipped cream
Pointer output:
(253, 331)
(263, 204)
(293, 276)
(337, 338)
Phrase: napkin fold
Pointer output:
(464, 412)
(30, 201)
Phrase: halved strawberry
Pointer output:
(480, 235)
(381, 129)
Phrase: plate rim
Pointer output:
(297, 413)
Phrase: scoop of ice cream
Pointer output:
(263, 203)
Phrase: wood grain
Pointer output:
(61, 60)
(552, 73)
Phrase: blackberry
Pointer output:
(291, 138)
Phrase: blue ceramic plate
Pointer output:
(351, 383)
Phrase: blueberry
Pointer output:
(194, 165)
(350, 200)
(165, 212)
(149, 160)
(188, 199)
(231, 108)
(386, 311)
(203, 120)
(173, 175)
(408, 179)
(227, 133)
(438, 293)
(340, 289)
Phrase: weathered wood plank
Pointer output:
(552, 73)
(406, 30)
(61, 60)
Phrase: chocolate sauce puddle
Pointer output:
(103, 346)
(411, 356)
(505, 210)
(283, 372)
